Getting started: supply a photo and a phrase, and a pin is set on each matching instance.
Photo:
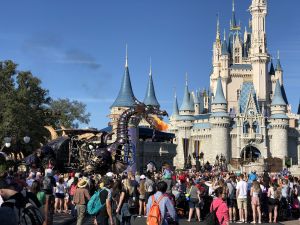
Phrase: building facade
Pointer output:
(245, 114)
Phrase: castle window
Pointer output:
(246, 127)
(238, 92)
(256, 127)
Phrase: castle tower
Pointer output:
(279, 123)
(219, 121)
(124, 100)
(150, 97)
(187, 106)
(217, 48)
(279, 71)
(258, 52)
(197, 102)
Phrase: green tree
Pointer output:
(68, 113)
(23, 107)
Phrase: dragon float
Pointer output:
(88, 149)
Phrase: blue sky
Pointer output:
(77, 48)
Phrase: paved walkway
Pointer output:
(65, 219)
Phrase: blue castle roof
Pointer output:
(186, 103)
(175, 107)
(125, 97)
(277, 97)
(272, 70)
(278, 66)
(219, 96)
(150, 98)
(224, 48)
(247, 88)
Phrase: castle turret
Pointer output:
(217, 51)
(150, 98)
(279, 71)
(224, 59)
(187, 106)
(219, 120)
(258, 52)
(279, 123)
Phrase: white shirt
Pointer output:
(242, 188)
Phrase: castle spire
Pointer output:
(233, 24)
(126, 57)
(186, 103)
(224, 34)
(277, 97)
(219, 95)
(298, 108)
(150, 97)
(125, 97)
(175, 106)
(278, 66)
(218, 36)
(272, 70)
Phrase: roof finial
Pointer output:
(224, 34)
(175, 95)
(278, 54)
(150, 73)
(232, 5)
(126, 60)
(186, 78)
(218, 27)
(246, 30)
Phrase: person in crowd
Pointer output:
(41, 196)
(105, 216)
(59, 195)
(220, 206)
(142, 195)
(193, 194)
(30, 179)
(72, 190)
(231, 198)
(81, 197)
(241, 195)
(115, 194)
(126, 202)
(273, 202)
(255, 193)
(15, 202)
(165, 204)
(284, 201)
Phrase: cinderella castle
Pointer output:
(245, 114)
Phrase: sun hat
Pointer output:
(82, 183)
(142, 177)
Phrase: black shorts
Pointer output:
(231, 203)
(194, 203)
(59, 195)
(273, 202)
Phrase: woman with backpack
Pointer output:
(219, 207)
(126, 202)
(255, 193)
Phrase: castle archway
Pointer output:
(250, 153)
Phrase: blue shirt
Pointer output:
(165, 203)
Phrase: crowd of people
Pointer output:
(188, 195)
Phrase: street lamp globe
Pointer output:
(7, 142)
(26, 139)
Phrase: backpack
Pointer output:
(94, 204)
(154, 215)
(211, 218)
(232, 195)
(27, 215)
(72, 189)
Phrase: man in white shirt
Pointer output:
(241, 196)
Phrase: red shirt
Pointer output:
(222, 211)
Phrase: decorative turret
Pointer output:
(278, 66)
(233, 24)
(150, 98)
(125, 97)
(237, 49)
(278, 99)
(219, 95)
(279, 123)
(175, 108)
(272, 70)
(186, 108)
(219, 120)
(224, 46)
